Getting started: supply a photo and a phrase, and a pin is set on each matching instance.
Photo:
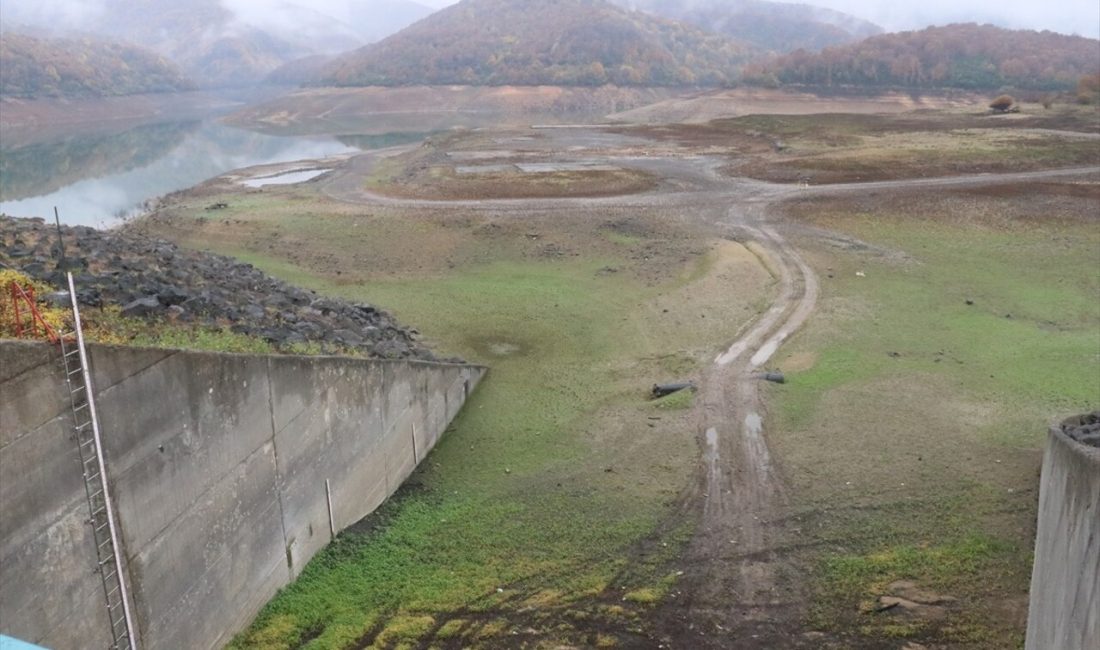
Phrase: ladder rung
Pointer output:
(74, 391)
(113, 591)
(121, 620)
(81, 407)
(104, 526)
(110, 575)
(76, 372)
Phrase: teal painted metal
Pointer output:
(9, 643)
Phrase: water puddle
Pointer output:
(766, 351)
(502, 349)
(284, 178)
(753, 424)
(729, 356)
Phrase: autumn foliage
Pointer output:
(969, 56)
(39, 67)
(1088, 89)
(559, 42)
(1002, 103)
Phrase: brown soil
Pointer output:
(385, 110)
(843, 148)
(749, 101)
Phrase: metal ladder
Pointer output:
(102, 519)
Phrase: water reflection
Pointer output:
(96, 180)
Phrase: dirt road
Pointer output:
(738, 590)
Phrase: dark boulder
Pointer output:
(142, 307)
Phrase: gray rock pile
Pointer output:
(1084, 428)
(156, 279)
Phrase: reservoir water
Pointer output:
(101, 176)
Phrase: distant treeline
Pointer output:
(40, 67)
(564, 42)
(969, 56)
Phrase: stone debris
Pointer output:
(1084, 428)
(153, 278)
(908, 599)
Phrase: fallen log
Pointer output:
(660, 390)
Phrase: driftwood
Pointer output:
(660, 390)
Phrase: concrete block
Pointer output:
(218, 466)
(50, 593)
(32, 388)
(185, 421)
(1064, 607)
(206, 574)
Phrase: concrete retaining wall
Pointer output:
(218, 465)
(1065, 581)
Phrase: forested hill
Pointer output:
(978, 57)
(559, 42)
(770, 26)
(39, 67)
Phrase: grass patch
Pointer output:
(914, 439)
(623, 239)
(853, 577)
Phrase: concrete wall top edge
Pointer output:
(1090, 454)
(22, 358)
(4, 343)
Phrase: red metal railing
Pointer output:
(25, 295)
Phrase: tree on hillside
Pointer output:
(1002, 103)
(1088, 89)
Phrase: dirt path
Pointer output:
(738, 589)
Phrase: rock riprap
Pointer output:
(1085, 429)
(153, 278)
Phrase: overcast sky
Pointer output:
(1066, 16)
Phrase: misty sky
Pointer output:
(1066, 16)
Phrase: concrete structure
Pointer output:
(1064, 611)
(218, 464)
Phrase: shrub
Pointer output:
(1002, 103)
